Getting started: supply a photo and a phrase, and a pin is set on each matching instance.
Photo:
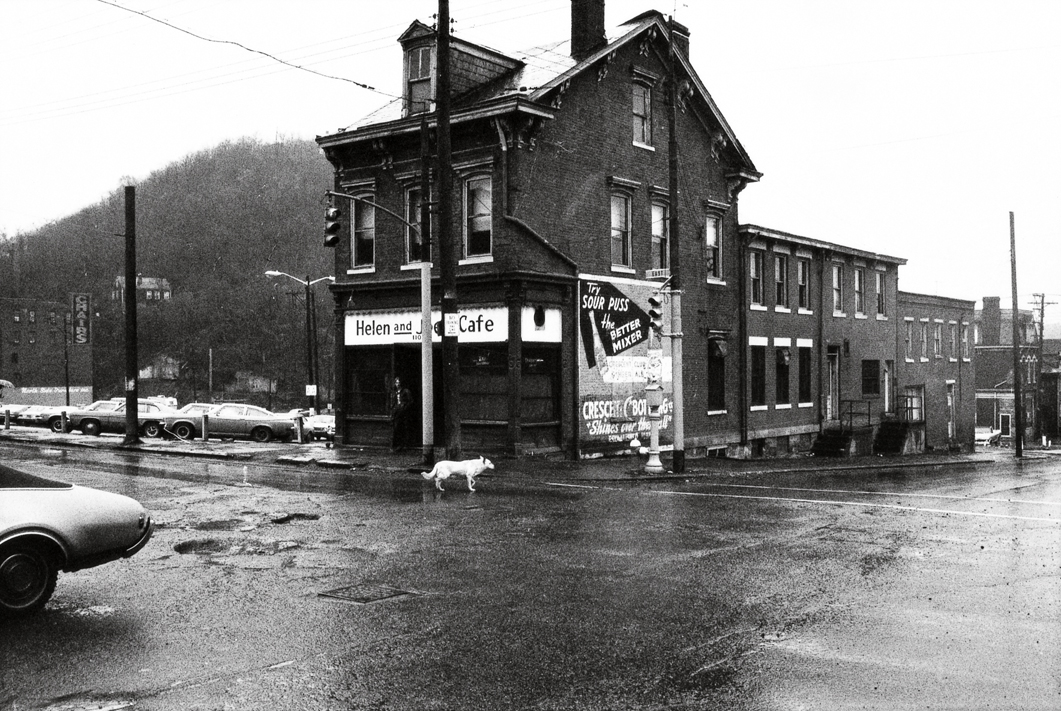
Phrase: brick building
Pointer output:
(820, 323)
(562, 211)
(995, 388)
(562, 242)
(46, 351)
(937, 377)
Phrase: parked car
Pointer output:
(11, 410)
(49, 526)
(34, 415)
(188, 423)
(110, 417)
(234, 420)
(320, 426)
(52, 417)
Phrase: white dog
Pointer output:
(470, 468)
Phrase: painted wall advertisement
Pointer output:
(81, 318)
(618, 358)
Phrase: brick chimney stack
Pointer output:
(587, 28)
(681, 38)
(991, 322)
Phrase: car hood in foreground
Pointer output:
(92, 526)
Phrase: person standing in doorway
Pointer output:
(401, 412)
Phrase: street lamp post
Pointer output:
(311, 373)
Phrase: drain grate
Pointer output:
(364, 594)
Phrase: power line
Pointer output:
(243, 47)
(374, 41)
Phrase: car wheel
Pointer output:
(56, 424)
(261, 434)
(90, 428)
(184, 430)
(152, 429)
(27, 579)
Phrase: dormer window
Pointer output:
(418, 77)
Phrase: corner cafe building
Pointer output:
(560, 375)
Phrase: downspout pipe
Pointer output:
(503, 143)
(742, 324)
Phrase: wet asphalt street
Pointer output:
(274, 587)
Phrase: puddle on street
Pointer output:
(406, 488)
(402, 486)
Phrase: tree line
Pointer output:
(211, 224)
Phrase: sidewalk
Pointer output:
(629, 468)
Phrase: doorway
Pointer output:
(832, 392)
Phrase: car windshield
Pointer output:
(104, 405)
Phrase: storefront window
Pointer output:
(368, 372)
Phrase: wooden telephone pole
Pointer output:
(1018, 392)
(132, 399)
(447, 254)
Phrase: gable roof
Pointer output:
(542, 70)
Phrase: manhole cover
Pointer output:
(365, 594)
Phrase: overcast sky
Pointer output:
(907, 127)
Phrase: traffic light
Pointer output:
(655, 314)
(332, 225)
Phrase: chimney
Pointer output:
(587, 28)
(681, 39)
(991, 322)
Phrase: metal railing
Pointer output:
(855, 413)
(911, 408)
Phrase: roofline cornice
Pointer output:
(411, 124)
(767, 233)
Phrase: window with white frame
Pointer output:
(418, 73)
(660, 230)
(716, 375)
(909, 340)
(781, 280)
(781, 376)
(363, 247)
(758, 376)
(620, 235)
(478, 216)
(713, 247)
(642, 113)
(924, 339)
(755, 273)
(860, 291)
(965, 340)
(803, 282)
(882, 299)
(937, 340)
(838, 288)
(415, 237)
(954, 341)
(806, 371)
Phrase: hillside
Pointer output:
(212, 224)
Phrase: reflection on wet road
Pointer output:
(273, 587)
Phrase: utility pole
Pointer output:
(1018, 394)
(678, 463)
(446, 248)
(1043, 303)
(132, 425)
(427, 365)
(67, 326)
(311, 380)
